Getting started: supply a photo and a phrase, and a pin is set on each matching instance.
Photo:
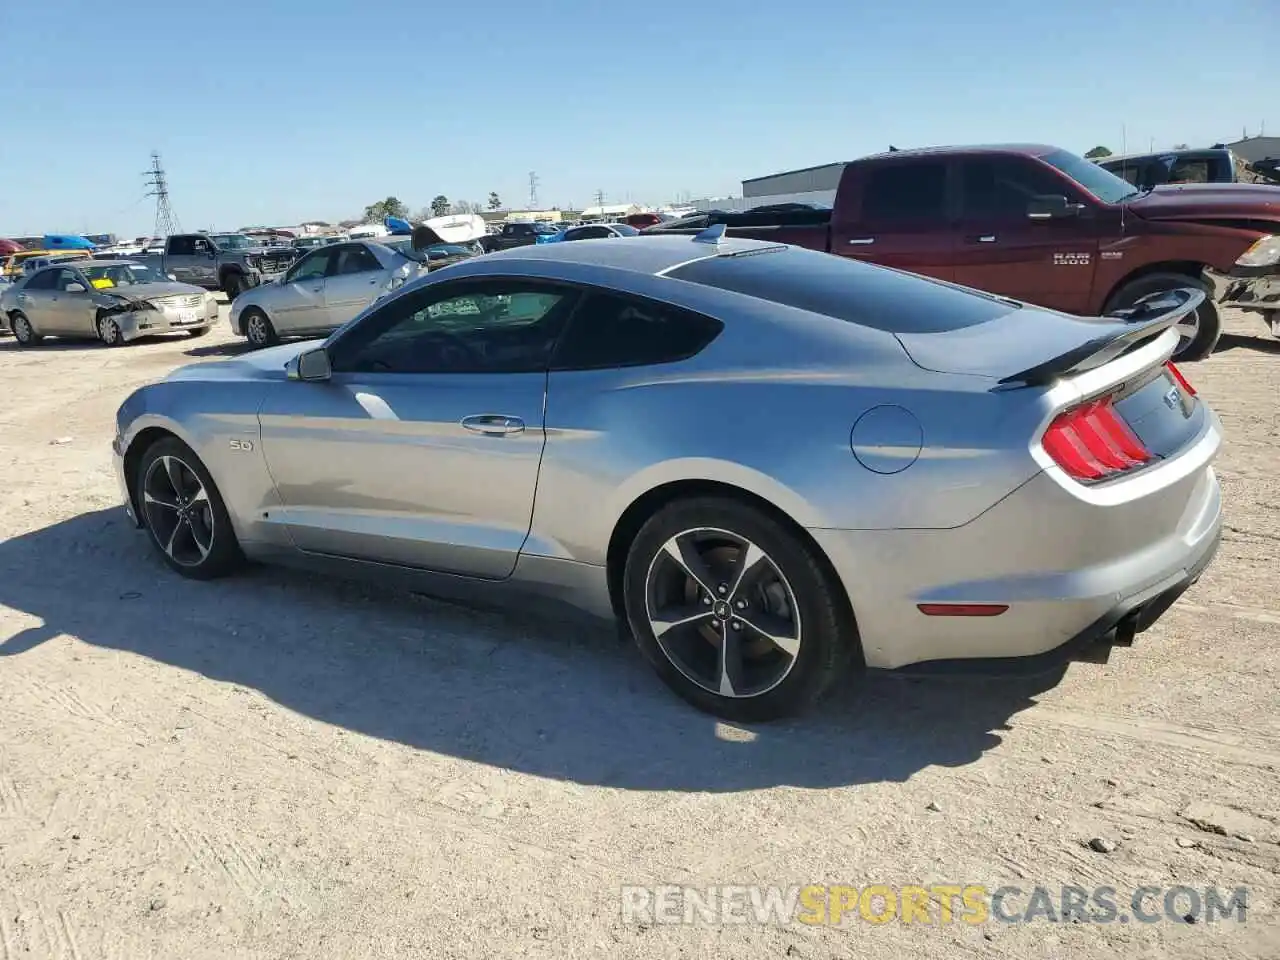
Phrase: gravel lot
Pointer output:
(282, 766)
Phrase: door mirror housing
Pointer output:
(1052, 206)
(172, 276)
(310, 365)
(74, 288)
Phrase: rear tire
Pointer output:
(1208, 327)
(23, 332)
(184, 513)
(789, 632)
(257, 328)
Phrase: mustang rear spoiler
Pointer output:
(1117, 333)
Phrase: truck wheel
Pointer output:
(1202, 335)
(234, 284)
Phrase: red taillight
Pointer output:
(1092, 442)
(1182, 381)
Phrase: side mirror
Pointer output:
(1052, 206)
(74, 288)
(172, 276)
(311, 365)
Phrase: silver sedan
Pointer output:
(114, 301)
(768, 463)
(330, 285)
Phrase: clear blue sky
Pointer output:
(281, 110)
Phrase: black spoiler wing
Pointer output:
(1116, 334)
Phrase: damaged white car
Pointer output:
(114, 301)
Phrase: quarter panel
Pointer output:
(782, 434)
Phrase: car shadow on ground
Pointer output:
(232, 349)
(545, 696)
(1236, 341)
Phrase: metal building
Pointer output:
(818, 179)
(1253, 149)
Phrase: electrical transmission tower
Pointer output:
(533, 190)
(166, 220)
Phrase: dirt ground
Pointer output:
(277, 765)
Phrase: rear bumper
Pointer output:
(1067, 569)
(1247, 288)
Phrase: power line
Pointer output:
(166, 219)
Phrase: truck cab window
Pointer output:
(905, 192)
(182, 246)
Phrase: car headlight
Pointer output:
(1263, 253)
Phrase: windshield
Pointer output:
(122, 275)
(625, 229)
(1103, 184)
(233, 241)
(544, 228)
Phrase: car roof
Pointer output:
(1021, 149)
(642, 254)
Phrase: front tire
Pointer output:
(735, 611)
(234, 284)
(258, 329)
(1199, 339)
(23, 332)
(184, 513)
(109, 331)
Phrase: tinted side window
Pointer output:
(579, 233)
(182, 246)
(41, 281)
(845, 289)
(905, 191)
(354, 259)
(618, 331)
(1001, 187)
(310, 267)
(494, 326)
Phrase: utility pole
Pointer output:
(166, 220)
(533, 190)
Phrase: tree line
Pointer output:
(439, 207)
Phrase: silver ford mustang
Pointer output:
(768, 463)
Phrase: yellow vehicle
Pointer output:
(13, 264)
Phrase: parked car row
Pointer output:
(1031, 222)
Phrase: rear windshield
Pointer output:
(847, 290)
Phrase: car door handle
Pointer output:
(984, 238)
(862, 241)
(493, 424)
(317, 289)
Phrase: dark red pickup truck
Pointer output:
(1043, 225)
